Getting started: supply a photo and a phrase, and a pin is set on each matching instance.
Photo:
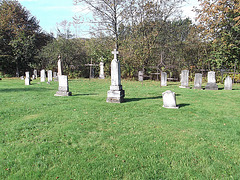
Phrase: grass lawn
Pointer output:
(83, 137)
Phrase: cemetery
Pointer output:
(152, 97)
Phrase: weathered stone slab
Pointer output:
(43, 76)
(169, 100)
(198, 81)
(101, 74)
(50, 78)
(184, 79)
(140, 75)
(63, 89)
(27, 79)
(163, 79)
(211, 85)
(228, 83)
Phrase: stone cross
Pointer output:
(115, 53)
(91, 71)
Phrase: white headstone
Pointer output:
(169, 100)
(63, 89)
(198, 81)
(50, 75)
(140, 75)
(184, 79)
(211, 85)
(55, 76)
(116, 93)
(35, 73)
(27, 79)
(59, 66)
(22, 77)
(101, 74)
(163, 79)
(43, 76)
(228, 83)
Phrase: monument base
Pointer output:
(177, 107)
(101, 77)
(63, 93)
(185, 87)
(211, 86)
(115, 96)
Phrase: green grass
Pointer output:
(83, 137)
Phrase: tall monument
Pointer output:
(116, 93)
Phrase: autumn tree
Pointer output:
(220, 25)
(20, 37)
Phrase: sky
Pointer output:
(51, 13)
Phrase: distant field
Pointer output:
(83, 137)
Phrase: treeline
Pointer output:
(153, 38)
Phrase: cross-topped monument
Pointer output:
(91, 72)
(115, 53)
(116, 93)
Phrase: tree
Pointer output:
(220, 24)
(109, 14)
(20, 37)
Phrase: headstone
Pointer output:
(35, 73)
(184, 79)
(163, 79)
(169, 100)
(59, 66)
(50, 75)
(101, 74)
(198, 81)
(43, 76)
(22, 77)
(140, 75)
(55, 76)
(211, 85)
(27, 79)
(63, 89)
(228, 83)
(116, 93)
(33, 76)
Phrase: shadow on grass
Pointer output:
(182, 105)
(89, 94)
(139, 99)
(23, 89)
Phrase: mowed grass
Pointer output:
(83, 137)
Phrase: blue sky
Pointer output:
(51, 12)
